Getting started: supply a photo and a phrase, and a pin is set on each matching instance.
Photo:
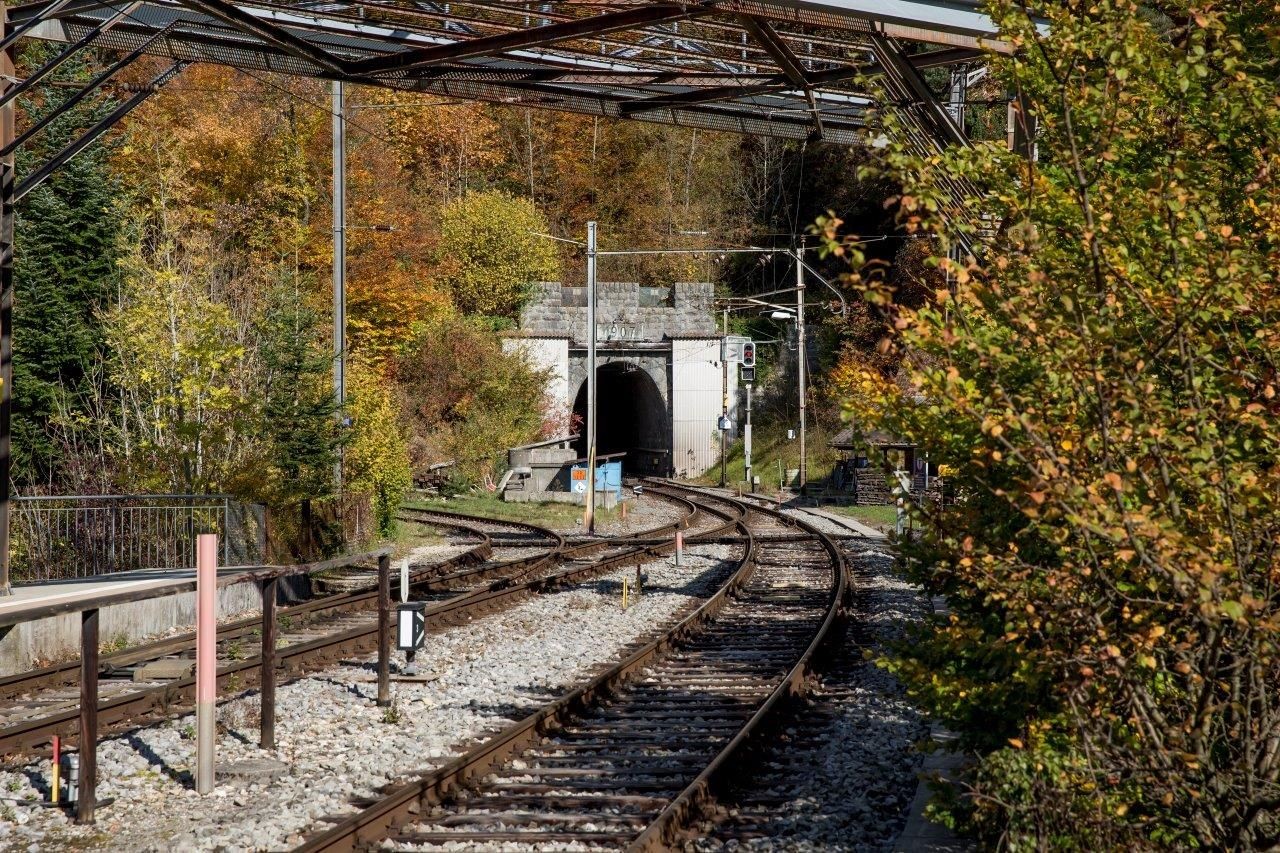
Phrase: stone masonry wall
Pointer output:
(684, 310)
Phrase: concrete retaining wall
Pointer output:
(35, 644)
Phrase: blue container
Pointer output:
(608, 478)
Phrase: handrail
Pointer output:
(26, 498)
(564, 439)
(37, 610)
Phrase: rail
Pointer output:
(370, 826)
(512, 585)
(267, 576)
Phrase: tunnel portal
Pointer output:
(632, 418)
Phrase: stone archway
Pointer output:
(632, 418)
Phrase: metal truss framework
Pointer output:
(798, 69)
(772, 67)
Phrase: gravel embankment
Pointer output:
(334, 739)
(842, 777)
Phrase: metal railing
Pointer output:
(71, 536)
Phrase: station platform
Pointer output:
(70, 595)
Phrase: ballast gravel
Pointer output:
(843, 775)
(337, 743)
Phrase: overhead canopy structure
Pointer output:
(778, 68)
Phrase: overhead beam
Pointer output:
(931, 20)
(44, 70)
(42, 173)
(947, 56)
(733, 118)
(777, 85)
(24, 12)
(768, 38)
(906, 84)
(270, 33)
(13, 33)
(647, 15)
(76, 97)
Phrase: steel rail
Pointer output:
(693, 800)
(299, 657)
(408, 800)
(372, 823)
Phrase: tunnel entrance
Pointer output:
(631, 418)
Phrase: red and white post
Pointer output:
(206, 658)
(679, 546)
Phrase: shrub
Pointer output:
(1104, 384)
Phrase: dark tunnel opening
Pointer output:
(631, 418)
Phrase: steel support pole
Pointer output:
(746, 443)
(87, 794)
(8, 185)
(724, 395)
(267, 719)
(800, 360)
(589, 517)
(339, 261)
(384, 631)
(958, 93)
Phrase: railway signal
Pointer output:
(411, 625)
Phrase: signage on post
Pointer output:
(731, 347)
(411, 625)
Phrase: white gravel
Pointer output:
(335, 740)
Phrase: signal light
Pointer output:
(749, 354)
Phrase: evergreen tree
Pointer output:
(299, 411)
(67, 245)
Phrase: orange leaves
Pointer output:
(1113, 480)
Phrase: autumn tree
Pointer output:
(175, 358)
(376, 461)
(467, 398)
(1102, 377)
(490, 252)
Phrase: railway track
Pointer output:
(632, 757)
(320, 632)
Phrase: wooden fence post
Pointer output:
(267, 730)
(87, 795)
(384, 630)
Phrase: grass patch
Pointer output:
(550, 514)
(879, 517)
(769, 446)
